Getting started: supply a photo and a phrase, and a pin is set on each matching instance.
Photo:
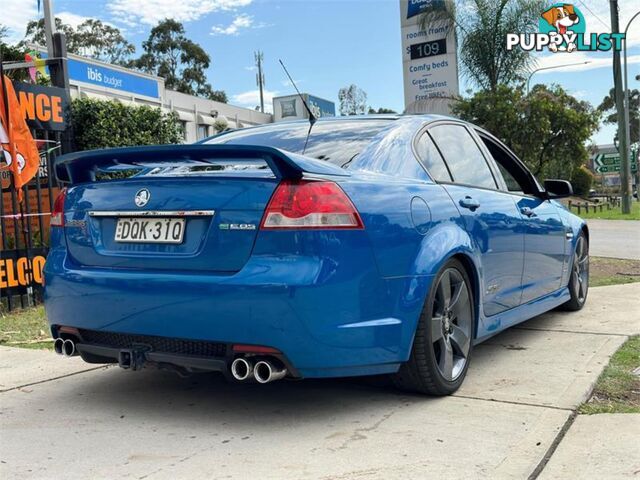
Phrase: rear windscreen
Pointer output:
(337, 142)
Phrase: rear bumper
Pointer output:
(329, 317)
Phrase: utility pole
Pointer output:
(259, 56)
(49, 26)
(627, 106)
(625, 167)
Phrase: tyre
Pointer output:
(442, 345)
(579, 279)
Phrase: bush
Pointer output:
(581, 181)
(104, 124)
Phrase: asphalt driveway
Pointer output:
(59, 420)
(615, 238)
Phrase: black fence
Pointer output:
(24, 227)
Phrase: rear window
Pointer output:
(337, 142)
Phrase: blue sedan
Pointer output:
(359, 246)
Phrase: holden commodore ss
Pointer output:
(352, 246)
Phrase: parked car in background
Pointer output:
(360, 246)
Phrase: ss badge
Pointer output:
(237, 226)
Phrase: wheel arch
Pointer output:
(585, 229)
(474, 277)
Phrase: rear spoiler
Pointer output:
(80, 167)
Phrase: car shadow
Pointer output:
(152, 395)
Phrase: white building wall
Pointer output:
(192, 111)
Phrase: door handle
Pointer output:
(470, 203)
(527, 212)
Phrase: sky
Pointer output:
(325, 44)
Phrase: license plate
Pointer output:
(150, 230)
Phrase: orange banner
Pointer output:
(18, 147)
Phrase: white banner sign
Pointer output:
(429, 59)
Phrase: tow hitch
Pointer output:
(132, 358)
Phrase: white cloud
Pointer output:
(150, 12)
(598, 18)
(287, 83)
(15, 16)
(241, 21)
(561, 60)
(71, 18)
(251, 98)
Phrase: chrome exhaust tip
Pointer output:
(68, 348)
(58, 345)
(241, 369)
(265, 372)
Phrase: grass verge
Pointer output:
(26, 328)
(614, 214)
(618, 388)
(612, 271)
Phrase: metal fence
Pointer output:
(24, 227)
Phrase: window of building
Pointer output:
(183, 125)
(203, 131)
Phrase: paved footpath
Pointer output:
(513, 418)
(615, 238)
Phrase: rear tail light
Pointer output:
(57, 215)
(310, 204)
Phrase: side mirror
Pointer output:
(558, 188)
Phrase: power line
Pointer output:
(597, 17)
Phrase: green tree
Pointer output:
(548, 128)
(180, 61)
(608, 109)
(11, 53)
(581, 181)
(92, 39)
(353, 100)
(105, 124)
(35, 34)
(481, 27)
(103, 42)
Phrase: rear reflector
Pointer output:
(254, 349)
(310, 204)
(57, 215)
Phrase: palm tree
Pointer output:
(481, 27)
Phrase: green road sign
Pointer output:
(611, 163)
(614, 168)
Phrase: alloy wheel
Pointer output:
(581, 270)
(451, 321)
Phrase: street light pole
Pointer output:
(627, 105)
(551, 68)
(625, 167)
(259, 56)
(49, 27)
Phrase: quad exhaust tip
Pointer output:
(65, 347)
(241, 369)
(265, 372)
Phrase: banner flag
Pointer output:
(18, 147)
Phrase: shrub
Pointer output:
(581, 181)
(104, 124)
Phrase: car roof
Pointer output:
(415, 120)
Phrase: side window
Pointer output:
(433, 161)
(511, 182)
(515, 177)
(462, 155)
